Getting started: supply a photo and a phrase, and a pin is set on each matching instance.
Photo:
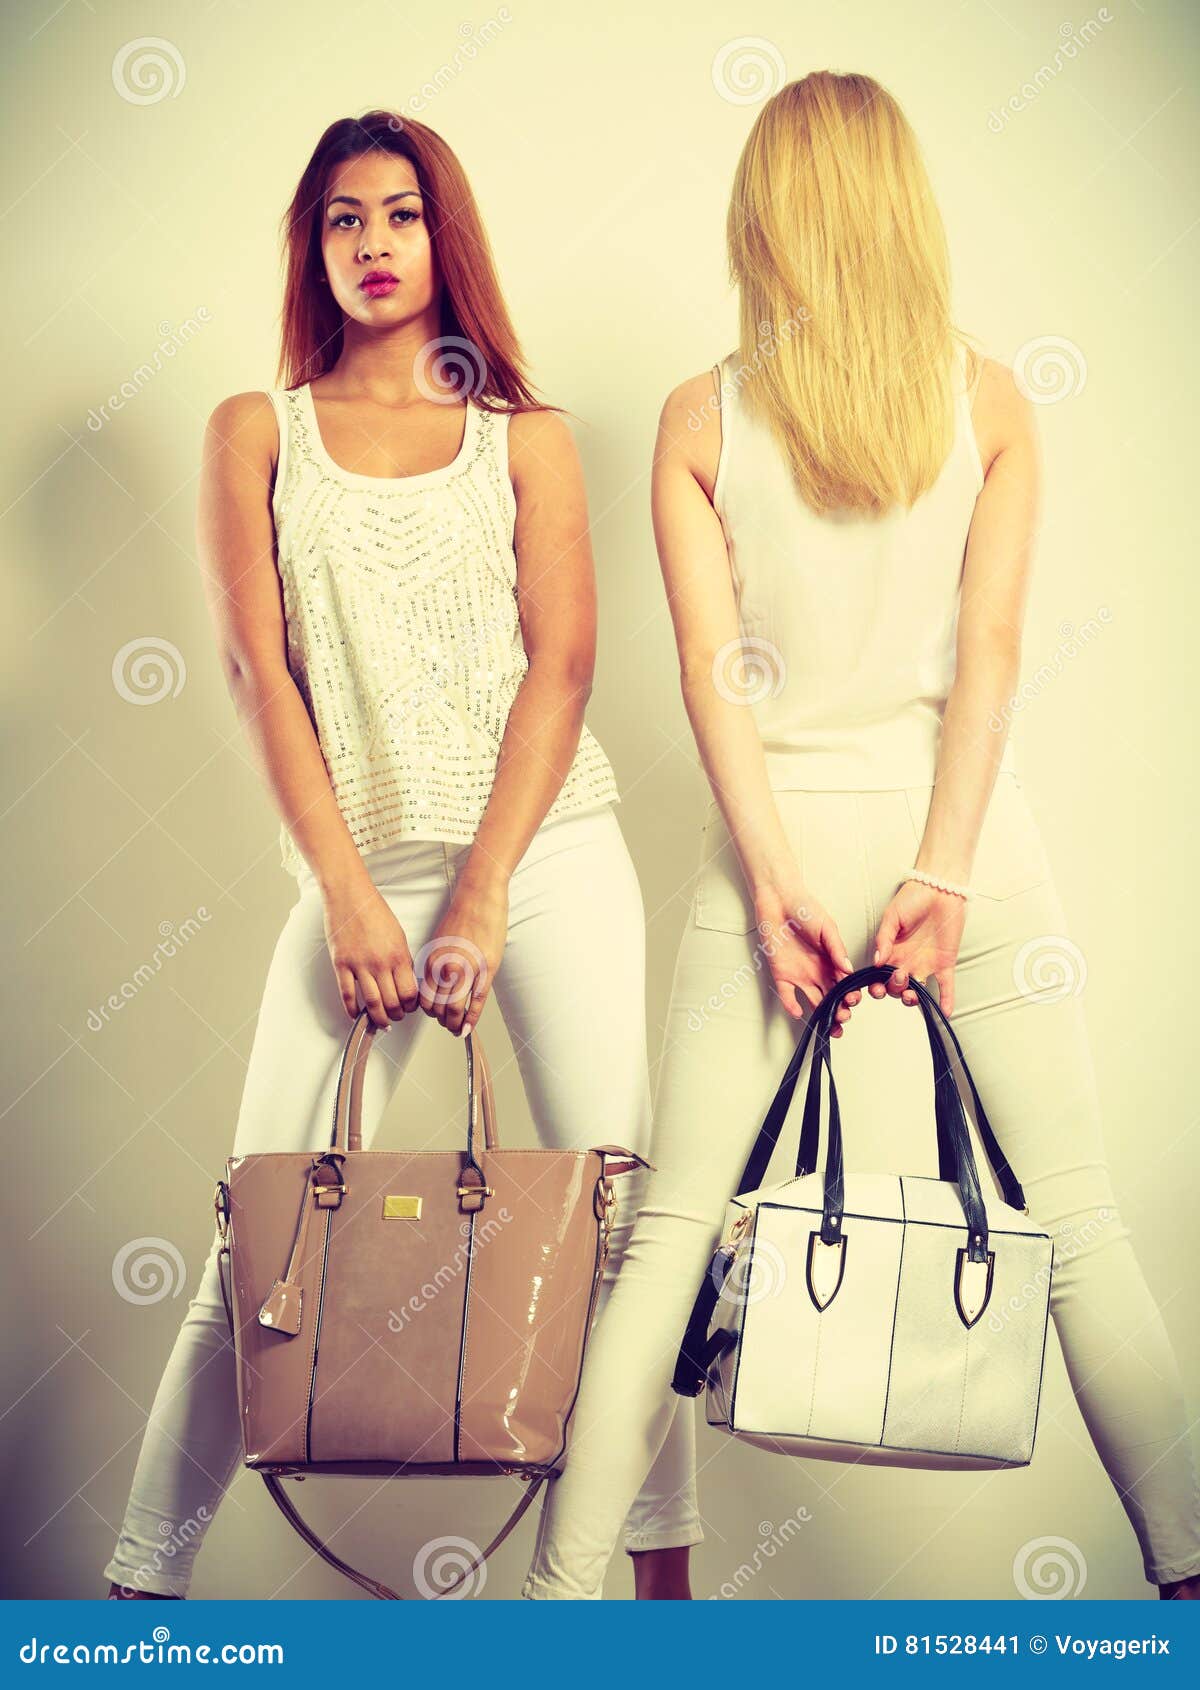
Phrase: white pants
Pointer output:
(727, 1044)
(571, 989)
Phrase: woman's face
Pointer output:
(374, 229)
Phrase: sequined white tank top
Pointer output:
(402, 631)
(848, 623)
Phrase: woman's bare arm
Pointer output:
(556, 603)
(995, 586)
(921, 929)
(236, 537)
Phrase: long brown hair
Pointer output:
(490, 362)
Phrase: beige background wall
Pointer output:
(601, 150)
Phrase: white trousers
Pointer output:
(1019, 1017)
(571, 989)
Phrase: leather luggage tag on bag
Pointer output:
(281, 1308)
(402, 1208)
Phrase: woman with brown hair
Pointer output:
(845, 510)
(396, 556)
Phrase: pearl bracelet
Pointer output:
(939, 885)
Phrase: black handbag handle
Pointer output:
(947, 1064)
(956, 1159)
(952, 1125)
(810, 1133)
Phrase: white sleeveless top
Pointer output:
(402, 631)
(849, 622)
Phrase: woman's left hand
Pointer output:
(463, 956)
(920, 934)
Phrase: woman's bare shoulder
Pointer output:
(689, 427)
(693, 403)
(1002, 412)
(246, 426)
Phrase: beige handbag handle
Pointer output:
(347, 1108)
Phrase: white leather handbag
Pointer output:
(882, 1318)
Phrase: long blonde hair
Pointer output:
(839, 254)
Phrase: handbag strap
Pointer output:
(768, 1134)
(374, 1587)
(948, 1065)
(810, 1132)
(347, 1106)
(952, 1120)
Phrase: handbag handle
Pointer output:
(810, 1133)
(947, 1065)
(951, 1116)
(347, 1107)
(952, 1121)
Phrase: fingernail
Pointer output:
(876, 956)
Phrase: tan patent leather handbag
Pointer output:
(411, 1312)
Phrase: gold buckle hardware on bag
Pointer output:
(606, 1213)
(476, 1191)
(327, 1193)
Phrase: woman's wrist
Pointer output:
(341, 874)
(482, 880)
(939, 883)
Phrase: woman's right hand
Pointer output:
(370, 953)
(804, 950)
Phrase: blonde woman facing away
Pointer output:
(851, 525)
(396, 552)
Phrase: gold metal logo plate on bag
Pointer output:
(402, 1208)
